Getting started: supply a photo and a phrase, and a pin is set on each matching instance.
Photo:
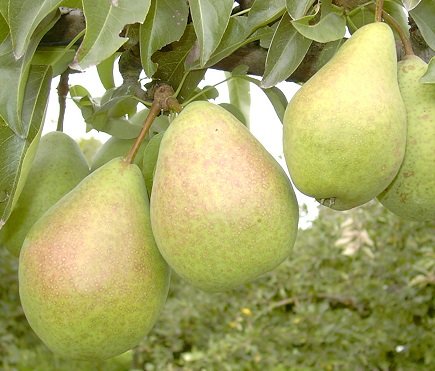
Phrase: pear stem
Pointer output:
(163, 101)
(378, 11)
(152, 114)
(403, 37)
(62, 92)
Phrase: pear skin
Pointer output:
(411, 195)
(345, 129)
(58, 167)
(91, 279)
(115, 147)
(223, 212)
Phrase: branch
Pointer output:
(254, 56)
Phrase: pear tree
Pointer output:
(182, 185)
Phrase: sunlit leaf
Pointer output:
(105, 71)
(57, 57)
(24, 17)
(286, 52)
(240, 96)
(410, 4)
(298, 8)
(210, 19)
(264, 11)
(105, 19)
(331, 26)
(429, 75)
(154, 32)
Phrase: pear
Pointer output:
(345, 128)
(91, 279)
(116, 147)
(223, 211)
(411, 195)
(58, 167)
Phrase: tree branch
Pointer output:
(72, 22)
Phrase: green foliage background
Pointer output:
(320, 310)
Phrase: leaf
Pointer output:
(155, 33)
(108, 115)
(235, 111)
(13, 75)
(57, 57)
(4, 28)
(286, 52)
(210, 19)
(105, 19)
(240, 97)
(24, 17)
(429, 75)
(150, 156)
(331, 27)
(105, 71)
(410, 4)
(237, 35)
(298, 8)
(424, 15)
(17, 151)
(264, 12)
(274, 94)
(171, 67)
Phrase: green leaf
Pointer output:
(286, 52)
(150, 156)
(108, 114)
(331, 27)
(23, 20)
(429, 75)
(410, 4)
(104, 21)
(105, 71)
(424, 15)
(298, 8)
(17, 151)
(235, 111)
(171, 67)
(4, 28)
(240, 97)
(57, 57)
(13, 75)
(264, 12)
(274, 94)
(237, 35)
(210, 19)
(155, 33)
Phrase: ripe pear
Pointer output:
(345, 129)
(91, 279)
(58, 167)
(116, 147)
(412, 193)
(223, 211)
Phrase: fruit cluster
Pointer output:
(96, 252)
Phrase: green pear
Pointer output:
(91, 279)
(412, 193)
(116, 147)
(345, 129)
(58, 167)
(223, 211)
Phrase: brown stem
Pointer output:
(378, 11)
(402, 34)
(152, 114)
(62, 92)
